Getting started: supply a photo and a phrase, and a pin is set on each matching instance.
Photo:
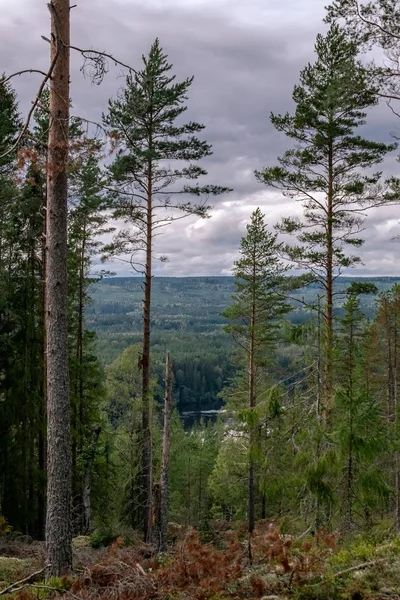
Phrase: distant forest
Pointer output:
(186, 318)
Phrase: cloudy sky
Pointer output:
(246, 57)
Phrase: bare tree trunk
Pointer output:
(58, 519)
(252, 403)
(162, 544)
(395, 418)
(147, 459)
(328, 383)
(391, 412)
(87, 484)
(348, 521)
(79, 480)
(42, 442)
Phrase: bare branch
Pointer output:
(33, 107)
(391, 107)
(18, 73)
(17, 584)
(98, 62)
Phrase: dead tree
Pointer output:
(163, 517)
(58, 517)
(87, 484)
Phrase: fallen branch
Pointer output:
(55, 589)
(365, 565)
(17, 584)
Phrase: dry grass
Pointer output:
(309, 568)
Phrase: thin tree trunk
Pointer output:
(263, 506)
(58, 518)
(87, 484)
(147, 465)
(328, 384)
(80, 482)
(349, 483)
(252, 404)
(42, 442)
(395, 419)
(162, 546)
(391, 412)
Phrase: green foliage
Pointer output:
(324, 171)
(4, 526)
(228, 480)
(149, 138)
(193, 456)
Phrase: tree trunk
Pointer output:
(58, 518)
(162, 544)
(147, 465)
(348, 524)
(396, 417)
(42, 442)
(391, 407)
(79, 478)
(252, 403)
(328, 383)
(87, 484)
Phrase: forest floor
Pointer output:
(216, 566)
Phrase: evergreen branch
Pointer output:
(373, 24)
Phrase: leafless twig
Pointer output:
(17, 584)
(33, 107)
(18, 73)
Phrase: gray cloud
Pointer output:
(246, 57)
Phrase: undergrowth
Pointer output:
(273, 565)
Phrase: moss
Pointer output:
(82, 541)
(12, 569)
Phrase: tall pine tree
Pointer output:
(155, 152)
(328, 172)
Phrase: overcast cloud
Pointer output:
(246, 57)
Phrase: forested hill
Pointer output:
(186, 319)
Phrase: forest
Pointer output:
(292, 488)
(193, 306)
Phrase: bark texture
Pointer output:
(58, 517)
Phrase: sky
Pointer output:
(246, 58)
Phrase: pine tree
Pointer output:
(360, 431)
(373, 24)
(87, 222)
(255, 314)
(324, 171)
(9, 320)
(388, 363)
(149, 137)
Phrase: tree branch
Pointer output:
(18, 73)
(33, 107)
(16, 584)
